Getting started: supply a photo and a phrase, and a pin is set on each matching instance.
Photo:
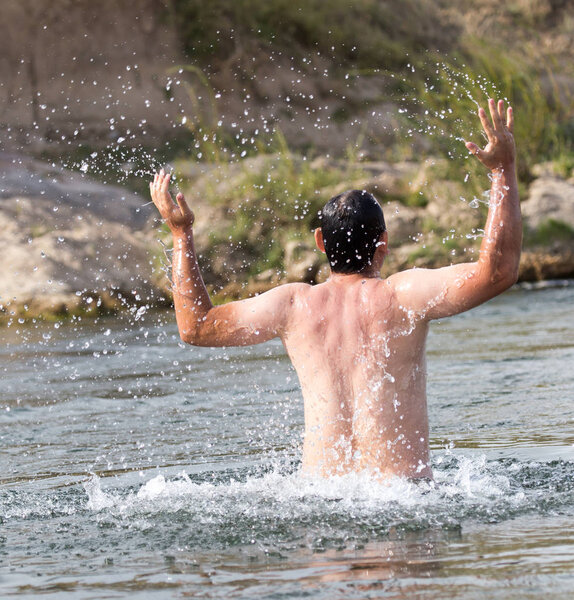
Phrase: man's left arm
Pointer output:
(200, 323)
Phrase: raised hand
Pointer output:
(499, 152)
(179, 217)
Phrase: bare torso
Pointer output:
(360, 358)
(358, 342)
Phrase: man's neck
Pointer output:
(370, 272)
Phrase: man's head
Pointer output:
(352, 226)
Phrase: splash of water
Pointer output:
(279, 512)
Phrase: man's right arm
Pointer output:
(437, 293)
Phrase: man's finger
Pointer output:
(501, 111)
(475, 150)
(183, 205)
(152, 191)
(510, 119)
(494, 114)
(472, 147)
(485, 124)
(165, 183)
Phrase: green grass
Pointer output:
(437, 77)
(436, 252)
(362, 33)
(563, 164)
(548, 232)
(438, 99)
(277, 201)
(437, 85)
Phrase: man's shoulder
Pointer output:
(409, 285)
(287, 291)
(294, 288)
(408, 277)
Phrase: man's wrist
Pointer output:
(181, 291)
(506, 167)
(182, 235)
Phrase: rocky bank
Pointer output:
(71, 245)
(78, 76)
(446, 230)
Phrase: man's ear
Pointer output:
(319, 239)
(383, 245)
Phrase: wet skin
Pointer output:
(357, 342)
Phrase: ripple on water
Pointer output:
(282, 510)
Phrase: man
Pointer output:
(357, 341)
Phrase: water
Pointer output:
(135, 467)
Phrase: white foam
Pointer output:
(473, 482)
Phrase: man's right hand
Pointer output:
(179, 217)
(500, 152)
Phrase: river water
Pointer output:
(135, 467)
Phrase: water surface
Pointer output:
(133, 466)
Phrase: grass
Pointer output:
(444, 252)
(439, 97)
(435, 76)
(563, 164)
(437, 84)
(361, 33)
(548, 232)
(276, 200)
(442, 75)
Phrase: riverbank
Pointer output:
(76, 247)
(254, 220)
(263, 115)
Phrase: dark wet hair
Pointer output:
(352, 224)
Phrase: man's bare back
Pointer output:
(357, 342)
(361, 364)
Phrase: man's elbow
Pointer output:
(186, 337)
(198, 335)
(505, 278)
(195, 331)
(191, 335)
(498, 274)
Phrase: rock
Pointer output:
(302, 262)
(54, 188)
(544, 169)
(390, 180)
(69, 243)
(403, 222)
(549, 198)
(450, 209)
(269, 276)
(555, 264)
